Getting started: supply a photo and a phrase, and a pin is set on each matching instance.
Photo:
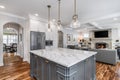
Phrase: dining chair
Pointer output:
(14, 47)
(4, 47)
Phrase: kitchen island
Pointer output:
(62, 64)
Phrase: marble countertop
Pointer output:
(63, 56)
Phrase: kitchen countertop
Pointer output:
(63, 56)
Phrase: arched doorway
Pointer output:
(13, 39)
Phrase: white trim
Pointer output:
(12, 15)
(95, 25)
(114, 15)
(1, 64)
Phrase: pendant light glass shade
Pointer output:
(49, 23)
(75, 22)
(59, 26)
(49, 29)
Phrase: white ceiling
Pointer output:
(101, 12)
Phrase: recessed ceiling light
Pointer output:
(115, 19)
(36, 15)
(1, 6)
(53, 20)
(94, 23)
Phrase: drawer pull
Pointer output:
(47, 61)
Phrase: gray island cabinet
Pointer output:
(62, 64)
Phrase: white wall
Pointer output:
(31, 24)
(26, 42)
(115, 36)
(36, 24)
(74, 34)
(5, 18)
(41, 26)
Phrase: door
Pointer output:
(46, 69)
(81, 71)
(33, 65)
(39, 40)
(53, 71)
(43, 41)
(39, 68)
(90, 68)
(60, 39)
(33, 40)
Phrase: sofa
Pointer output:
(106, 55)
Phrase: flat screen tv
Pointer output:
(101, 34)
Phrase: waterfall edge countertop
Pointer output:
(63, 56)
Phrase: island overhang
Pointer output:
(63, 56)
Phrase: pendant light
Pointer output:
(59, 21)
(75, 23)
(49, 23)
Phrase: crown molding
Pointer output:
(101, 18)
(12, 15)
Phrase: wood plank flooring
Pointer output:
(15, 71)
(21, 71)
(107, 72)
(10, 58)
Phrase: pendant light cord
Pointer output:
(58, 9)
(75, 8)
(49, 15)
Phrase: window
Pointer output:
(8, 39)
(86, 35)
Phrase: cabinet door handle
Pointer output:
(47, 61)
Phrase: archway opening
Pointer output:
(12, 43)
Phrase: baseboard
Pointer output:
(26, 60)
(1, 64)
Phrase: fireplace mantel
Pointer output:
(101, 39)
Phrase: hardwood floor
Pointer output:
(10, 58)
(21, 71)
(15, 71)
(107, 72)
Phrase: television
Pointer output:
(101, 34)
(49, 42)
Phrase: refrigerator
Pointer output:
(37, 40)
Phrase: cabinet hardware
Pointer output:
(47, 61)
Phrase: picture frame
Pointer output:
(69, 38)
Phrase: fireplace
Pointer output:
(101, 45)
